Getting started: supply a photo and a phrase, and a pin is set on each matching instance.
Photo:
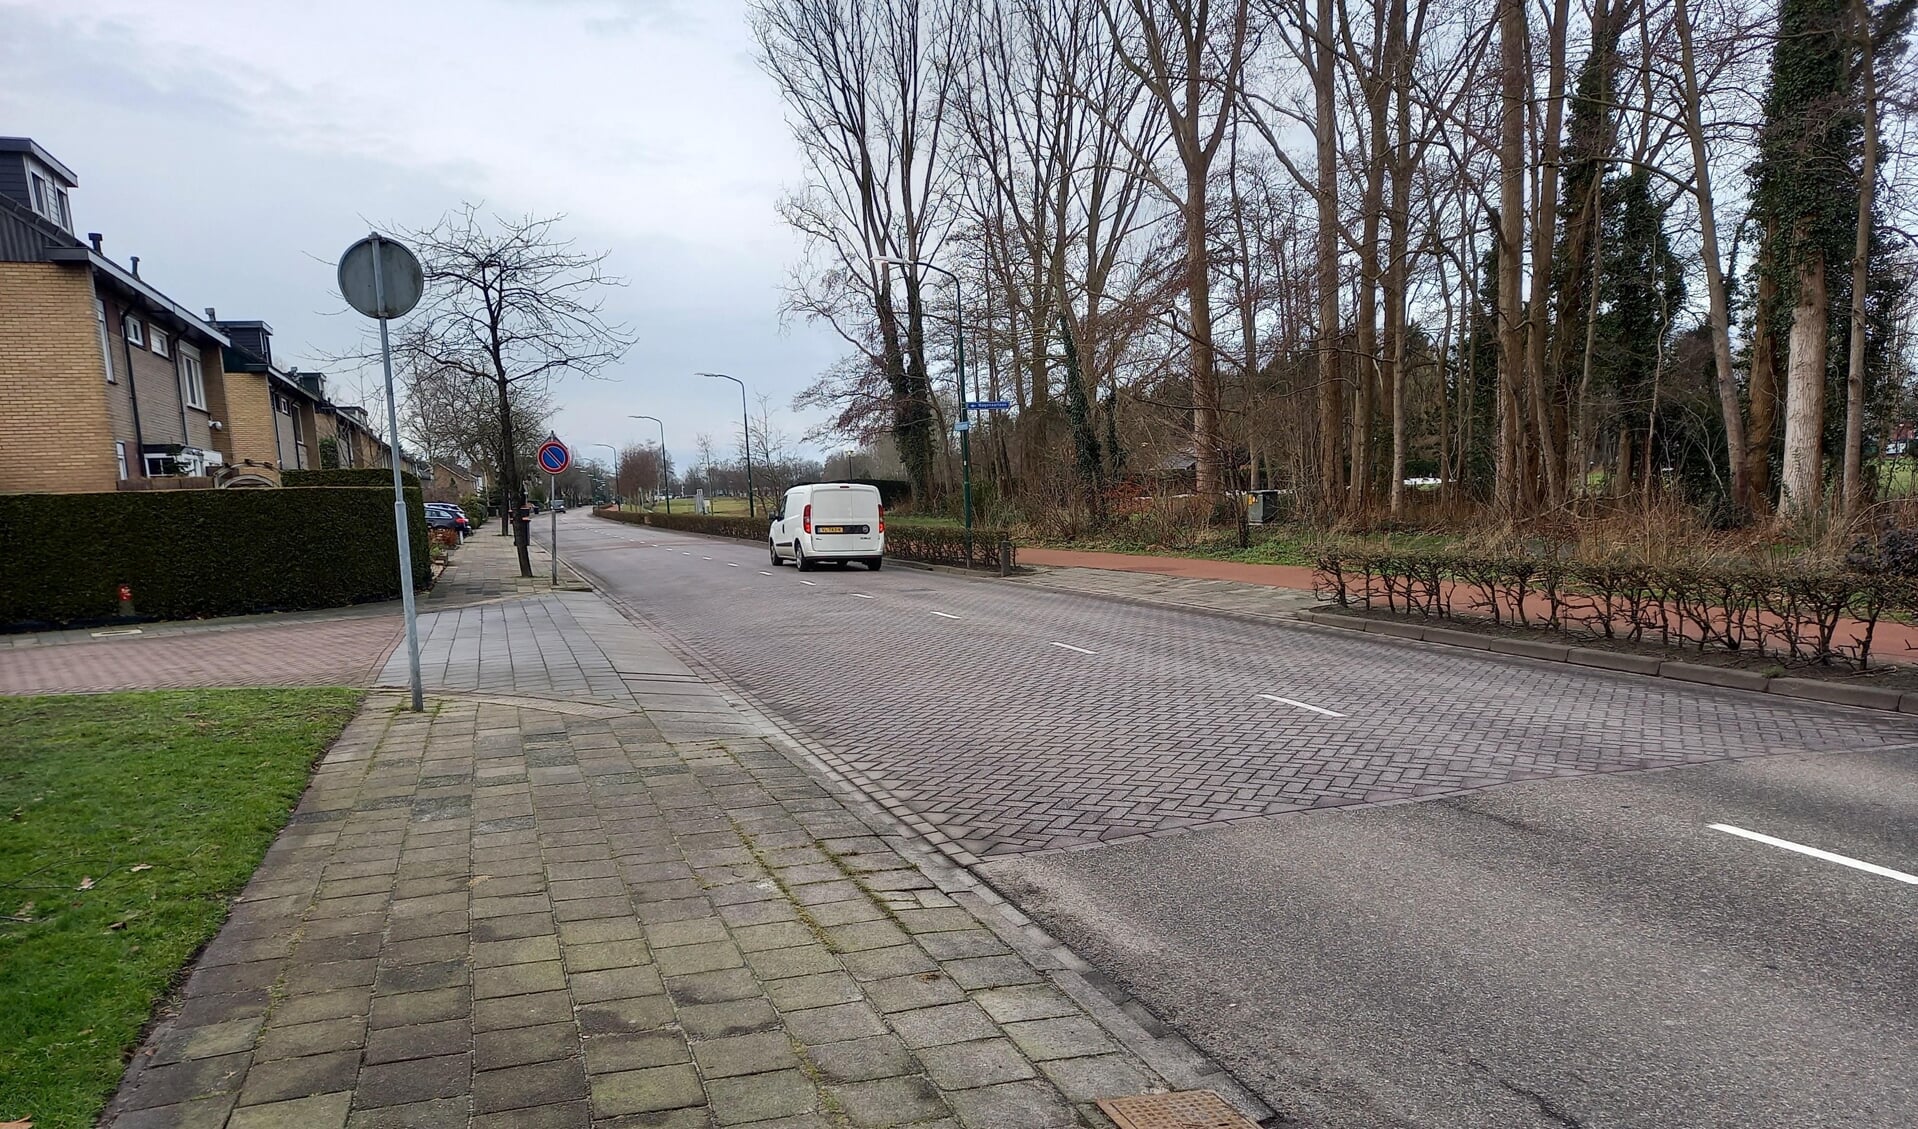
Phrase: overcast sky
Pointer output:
(239, 147)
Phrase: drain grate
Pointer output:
(1183, 1109)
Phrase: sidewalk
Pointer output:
(1272, 591)
(588, 887)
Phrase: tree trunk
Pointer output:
(513, 491)
(1540, 383)
(1206, 446)
(1854, 493)
(1764, 378)
(1805, 389)
(1719, 303)
(1331, 387)
(1513, 94)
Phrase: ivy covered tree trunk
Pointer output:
(1085, 441)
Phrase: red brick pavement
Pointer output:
(331, 652)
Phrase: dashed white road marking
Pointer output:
(730, 564)
(811, 583)
(945, 615)
(1070, 647)
(705, 558)
(765, 574)
(860, 596)
(1814, 852)
(1301, 705)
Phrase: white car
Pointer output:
(829, 521)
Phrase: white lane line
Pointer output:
(860, 596)
(1070, 647)
(945, 615)
(730, 564)
(705, 558)
(1301, 705)
(810, 582)
(1814, 852)
(765, 574)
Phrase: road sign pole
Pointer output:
(399, 491)
(552, 513)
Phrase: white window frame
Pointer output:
(159, 466)
(192, 379)
(160, 344)
(120, 457)
(134, 328)
(106, 348)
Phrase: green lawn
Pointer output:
(129, 820)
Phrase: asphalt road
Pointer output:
(1553, 937)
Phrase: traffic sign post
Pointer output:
(553, 458)
(382, 279)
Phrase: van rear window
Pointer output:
(847, 505)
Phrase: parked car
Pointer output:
(829, 521)
(445, 515)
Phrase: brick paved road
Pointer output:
(1008, 743)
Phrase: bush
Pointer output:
(349, 476)
(925, 544)
(1805, 611)
(476, 511)
(193, 553)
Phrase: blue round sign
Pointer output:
(553, 457)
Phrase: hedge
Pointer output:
(194, 553)
(927, 545)
(349, 476)
(1800, 610)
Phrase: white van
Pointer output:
(830, 521)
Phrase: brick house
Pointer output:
(110, 383)
(452, 482)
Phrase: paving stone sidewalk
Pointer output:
(1206, 594)
(618, 902)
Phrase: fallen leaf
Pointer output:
(85, 884)
(25, 910)
(139, 866)
(116, 925)
(16, 1125)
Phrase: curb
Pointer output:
(1805, 689)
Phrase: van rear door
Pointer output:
(845, 520)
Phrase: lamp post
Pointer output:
(746, 423)
(965, 421)
(615, 451)
(665, 476)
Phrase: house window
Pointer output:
(159, 466)
(106, 349)
(50, 200)
(192, 379)
(136, 333)
(161, 344)
(120, 459)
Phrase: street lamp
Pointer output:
(965, 422)
(615, 451)
(745, 422)
(665, 476)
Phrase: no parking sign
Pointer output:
(553, 457)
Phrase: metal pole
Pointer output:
(399, 488)
(965, 433)
(746, 422)
(552, 514)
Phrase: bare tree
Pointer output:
(512, 305)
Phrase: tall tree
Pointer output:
(511, 304)
(1805, 187)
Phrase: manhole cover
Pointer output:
(1184, 1109)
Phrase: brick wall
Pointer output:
(249, 422)
(53, 402)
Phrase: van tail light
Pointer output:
(805, 517)
(882, 519)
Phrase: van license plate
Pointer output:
(839, 529)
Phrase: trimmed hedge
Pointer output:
(1804, 611)
(195, 553)
(349, 476)
(926, 545)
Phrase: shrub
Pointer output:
(194, 553)
(349, 476)
(926, 544)
(1808, 611)
(476, 511)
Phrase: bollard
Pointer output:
(1005, 555)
